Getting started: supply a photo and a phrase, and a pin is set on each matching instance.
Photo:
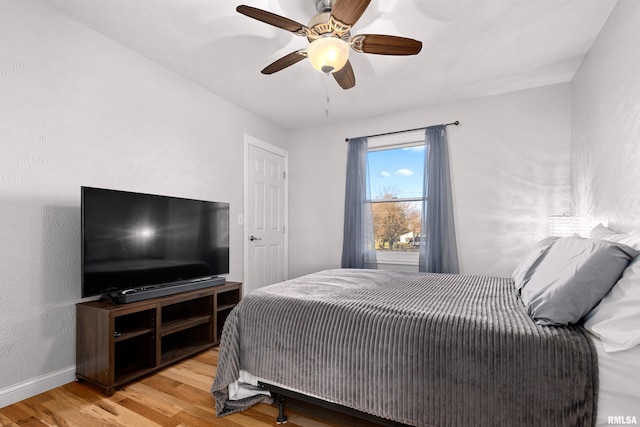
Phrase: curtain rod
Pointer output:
(456, 123)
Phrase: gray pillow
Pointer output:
(572, 278)
(530, 262)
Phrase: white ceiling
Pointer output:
(471, 48)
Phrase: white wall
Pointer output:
(77, 109)
(606, 124)
(510, 166)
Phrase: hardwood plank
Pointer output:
(101, 412)
(247, 420)
(14, 413)
(31, 422)
(203, 406)
(5, 421)
(152, 399)
(195, 395)
(211, 357)
(170, 403)
(186, 375)
(149, 413)
(262, 412)
(175, 396)
(200, 367)
(159, 382)
(37, 410)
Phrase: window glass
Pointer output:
(396, 177)
(399, 169)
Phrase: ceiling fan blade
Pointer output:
(379, 44)
(273, 19)
(349, 11)
(284, 62)
(345, 76)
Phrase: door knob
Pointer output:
(252, 238)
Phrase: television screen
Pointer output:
(135, 241)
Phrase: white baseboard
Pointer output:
(24, 390)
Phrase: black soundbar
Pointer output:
(133, 295)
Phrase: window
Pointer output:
(396, 178)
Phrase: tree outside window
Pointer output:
(396, 223)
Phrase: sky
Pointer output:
(400, 168)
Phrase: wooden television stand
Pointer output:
(116, 344)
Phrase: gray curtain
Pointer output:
(358, 246)
(438, 249)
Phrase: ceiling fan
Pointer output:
(330, 39)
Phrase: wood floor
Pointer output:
(176, 396)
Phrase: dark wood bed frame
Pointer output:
(280, 394)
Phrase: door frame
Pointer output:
(249, 140)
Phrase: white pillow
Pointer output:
(632, 240)
(601, 232)
(616, 320)
(604, 233)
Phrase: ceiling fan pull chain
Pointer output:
(326, 111)
(327, 97)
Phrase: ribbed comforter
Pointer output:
(416, 348)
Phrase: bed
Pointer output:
(427, 349)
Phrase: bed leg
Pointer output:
(282, 419)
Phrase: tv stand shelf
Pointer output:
(116, 344)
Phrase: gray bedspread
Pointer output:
(420, 349)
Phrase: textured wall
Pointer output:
(510, 171)
(606, 124)
(77, 109)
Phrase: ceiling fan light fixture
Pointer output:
(328, 54)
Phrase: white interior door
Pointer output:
(265, 214)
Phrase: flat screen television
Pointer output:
(137, 245)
